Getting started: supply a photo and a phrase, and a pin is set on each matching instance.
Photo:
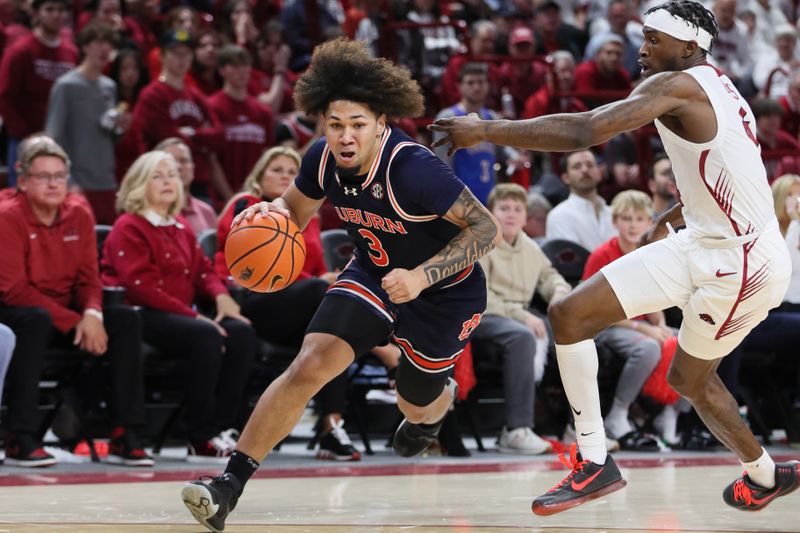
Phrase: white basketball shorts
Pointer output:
(723, 292)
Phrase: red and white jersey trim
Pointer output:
(424, 362)
(323, 165)
(358, 290)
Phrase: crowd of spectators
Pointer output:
(165, 119)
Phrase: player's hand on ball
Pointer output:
(403, 285)
(460, 132)
(261, 208)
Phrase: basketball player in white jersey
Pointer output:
(726, 270)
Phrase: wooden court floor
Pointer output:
(485, 497)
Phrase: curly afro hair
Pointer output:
(343, 70)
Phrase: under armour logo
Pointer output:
(351, 191)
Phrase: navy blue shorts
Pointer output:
(430, 330)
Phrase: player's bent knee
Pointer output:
(568, 321)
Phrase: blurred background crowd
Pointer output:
(133, 131)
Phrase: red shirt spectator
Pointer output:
(53, 267)
(204, 75)
(199, 215)
(605, 254)
(314, 265)
(790, 122)
(451, 94)
(161, 266)
(108, 12)
(481, 43)
(522, 79)
(604, 72)
(248, 130)
(246, 123)
(545, 102)
(163, 111)
(261, 82)
(27, 73)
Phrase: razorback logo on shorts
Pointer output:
(705, 317)
(469, 326)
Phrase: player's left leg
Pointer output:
(648, 279)
(431, 332)
(764, 480)
(420, 428)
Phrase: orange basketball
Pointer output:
(265, 254)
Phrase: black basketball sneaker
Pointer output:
(413, 439)
(210, 503)
(586, 481)
(745, 495)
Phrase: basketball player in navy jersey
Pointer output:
(725, 270)
(414, 279)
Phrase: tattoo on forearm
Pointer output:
(472, 243)
(575, 131)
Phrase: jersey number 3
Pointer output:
(376, 251)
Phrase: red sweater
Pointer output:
(161, 110)
(53, 267)
(543, 102)
(451, 93)
(248, 131)
(791, 117)
(27, 73)
(315, 261)
(588, 78)
(260, 82)
(161, 268)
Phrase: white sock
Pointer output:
(578, 366)
(666, 423)
(617, 422)
(761, 471)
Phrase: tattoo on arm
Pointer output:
(575, 131)
(474, 241)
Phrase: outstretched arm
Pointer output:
(480, 232)
(659, 95)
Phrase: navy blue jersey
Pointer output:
(394, 213)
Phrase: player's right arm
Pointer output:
(293, 204)
(661, 94)
(302, 199)
(672, 216)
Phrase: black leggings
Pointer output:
(214, 380)
(282, 318)
(34, 330)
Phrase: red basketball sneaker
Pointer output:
(745, 495)
(584, 483)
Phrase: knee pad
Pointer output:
(417, 387)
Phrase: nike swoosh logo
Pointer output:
(767, 498)
(582, 484)
(723, 274)
(575, 410)
(587, 434)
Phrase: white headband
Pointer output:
(678, 27)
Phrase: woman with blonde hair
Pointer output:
(271, 175)
(156, 258)
(786, 195)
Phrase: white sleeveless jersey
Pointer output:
(722, 183)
